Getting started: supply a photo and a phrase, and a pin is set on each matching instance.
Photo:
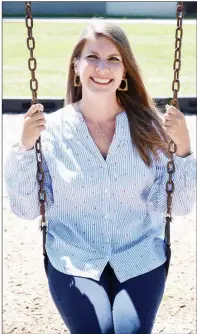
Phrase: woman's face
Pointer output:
(100, 66)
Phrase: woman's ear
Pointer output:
(75, 65)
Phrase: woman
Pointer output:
(105, 158)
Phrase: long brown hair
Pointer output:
(145, 120)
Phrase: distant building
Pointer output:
(89, 8)
(142, 9)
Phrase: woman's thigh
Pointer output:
(136, 302)
(83, 303)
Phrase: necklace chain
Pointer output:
(98, 131)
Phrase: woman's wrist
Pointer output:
(22, 148)
(183, 152)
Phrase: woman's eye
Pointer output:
(114, 59)
(96, 57)
(92, 56)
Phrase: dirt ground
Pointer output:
(27, 304)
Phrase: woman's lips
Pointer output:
(100, 82)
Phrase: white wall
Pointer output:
(154, 9)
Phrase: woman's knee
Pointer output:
(128, 320)
(132, 328)
(82, 303)
(136, 302)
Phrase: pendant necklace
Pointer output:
(98, 131)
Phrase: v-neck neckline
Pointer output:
(83, 135)
(93, 144)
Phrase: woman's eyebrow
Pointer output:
(112, 55)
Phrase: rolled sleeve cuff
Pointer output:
(183, 161)
(17, 148)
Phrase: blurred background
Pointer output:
(136, 9)
(150, 27)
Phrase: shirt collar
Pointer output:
(78, 127)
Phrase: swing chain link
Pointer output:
(32, 65)
(177, 54)
(175, 88)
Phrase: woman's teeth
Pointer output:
(103, 81)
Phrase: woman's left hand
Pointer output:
(176, 128)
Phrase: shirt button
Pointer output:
(106, 190)
(107, 240)
(106, 216)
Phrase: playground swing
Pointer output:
(32, 64)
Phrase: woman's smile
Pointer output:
(101, 81)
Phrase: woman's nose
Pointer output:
(102, 66)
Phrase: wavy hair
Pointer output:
(145, 119)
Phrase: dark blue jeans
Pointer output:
(108, 306)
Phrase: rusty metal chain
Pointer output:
(32, 64)
(175, 88)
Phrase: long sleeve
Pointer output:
(22, 185)
(184, 178)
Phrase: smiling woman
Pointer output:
(109, 82)
(105, 66)
(104, 161)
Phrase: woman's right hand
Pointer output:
(34, 124)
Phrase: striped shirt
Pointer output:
(98, 210)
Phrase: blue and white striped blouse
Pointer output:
(98, 210)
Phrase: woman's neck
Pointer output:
(99, 111)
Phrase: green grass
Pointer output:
(152, 44)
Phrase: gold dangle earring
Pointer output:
(77, 81)
(124, 85)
